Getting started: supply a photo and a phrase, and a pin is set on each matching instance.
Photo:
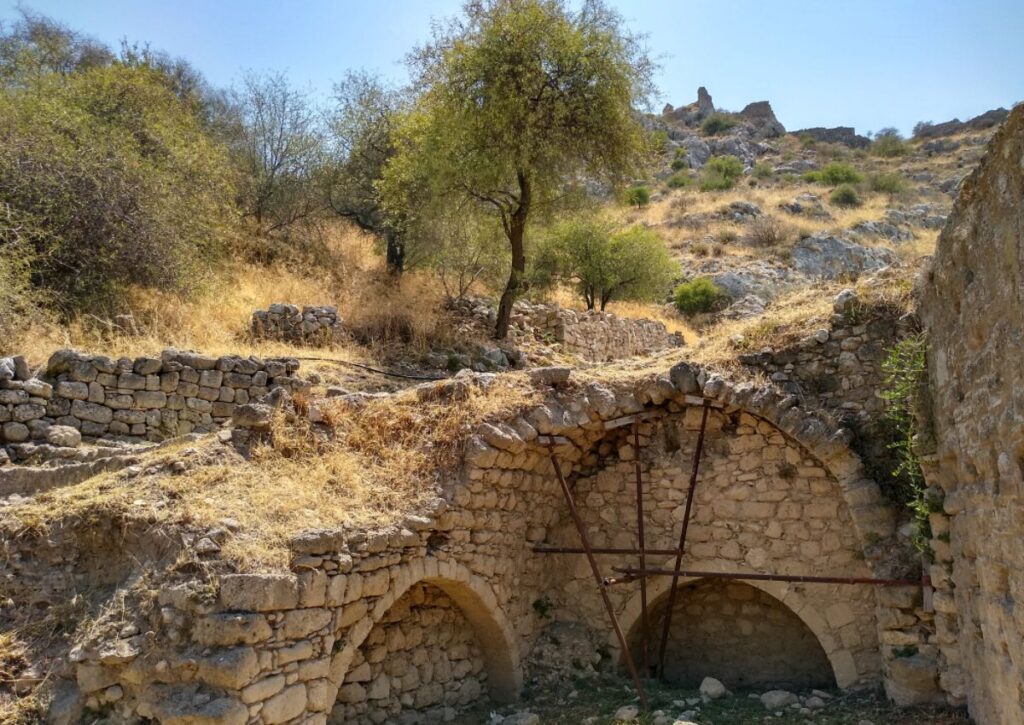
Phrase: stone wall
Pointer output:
(739, 635)
(420, 664)
(593, 335)
(146, 398)
(305, 326)
(973, 312)
(839, 369)
(283, 648)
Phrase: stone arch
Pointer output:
(475, 599)
(844, 665)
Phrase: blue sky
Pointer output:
(868, 64)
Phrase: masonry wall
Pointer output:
(973, 311)
(308, 325)
(148, 398)
(421, 663)
(739, 635)
(283, 648)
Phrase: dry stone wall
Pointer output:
(740, 635)
(593, 335)
(420, 664)
(148, 398)
(973, 312)
(306, 325)
(283, 648)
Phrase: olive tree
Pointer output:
(606, 264)
(518, 99)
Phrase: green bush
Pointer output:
(893, 184)
(679, 164)
(889, 143)
(638, 196)
(698, 295)
(720, 172)
(716, 123)
(113, 182)
(679, 180)
(763, 170)
(845, 195)
(835, 174)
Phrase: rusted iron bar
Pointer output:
(642, 544)
(682, 538)
(585, 540)
(632, 574)
(600, 550)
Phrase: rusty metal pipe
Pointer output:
(585, 540)
(642, 544)
(682, 539)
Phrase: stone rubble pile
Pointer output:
(148, 398)
(306, 325)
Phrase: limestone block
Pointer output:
(231, 628)
(231, 668)
(259, 592)
(285, 705)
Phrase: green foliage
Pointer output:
(893, 184)
(845, 195)
(638, 196)
(698, 295)
(720, 172)
(889, 143)
(680, 163)
(763, 170)
(904, 391)
(679, 180)
(659, 141)
(717, 123)
(520, 99)
(631, 264)
(834, 174)
(112, 182)
(464, 249)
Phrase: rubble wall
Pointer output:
(972, 307)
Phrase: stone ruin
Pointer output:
(305, 326)
(415, 622)
(592, 335)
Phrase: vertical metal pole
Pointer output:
(643, 545)
(627, 655)
(682, 541)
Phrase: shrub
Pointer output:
(678, 164)
(726, 235)
(720, 172)
(113, 182)
(679, 180)
(835, 174)
(638, 196)
(766, 231)
(893, 184)
(845, 195)
(763, 170)
(716, 123)
(890, 145)
(698, 295)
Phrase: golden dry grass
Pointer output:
(378, 464)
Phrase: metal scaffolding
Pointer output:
(642, 572)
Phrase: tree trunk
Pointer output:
(516, 235)
(395, 253)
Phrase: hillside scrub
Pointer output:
(108, 179)
(834, 174)
(605, 264)
(720, 173)
(698, 295)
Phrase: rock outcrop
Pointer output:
(845, 135)
(988, 119)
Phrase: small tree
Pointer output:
(631, 264)
(279, 151)
(466, 248)
(519, 99)
(361, 135)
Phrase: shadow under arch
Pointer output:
(478, 604)
(841, 659)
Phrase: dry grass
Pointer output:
(378, 464)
